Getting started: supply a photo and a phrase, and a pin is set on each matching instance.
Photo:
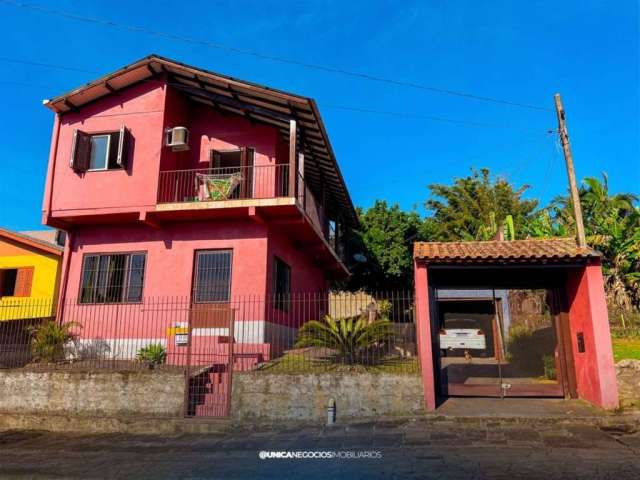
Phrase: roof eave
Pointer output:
(31, 242)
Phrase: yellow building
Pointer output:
(30, 265)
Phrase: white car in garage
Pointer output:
(462, 335)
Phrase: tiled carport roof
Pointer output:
(499, 252)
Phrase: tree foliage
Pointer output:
(385, 241)
(476, 206)
(612, 226)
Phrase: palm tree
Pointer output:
(619, 240)
(612, 225)
(350, 336)
(50, 338)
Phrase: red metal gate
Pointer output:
(209, 368)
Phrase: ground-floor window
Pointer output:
(281, 283)
(8, 281)
(112, 278)
(212, 278)
(16, 282)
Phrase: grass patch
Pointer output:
(629, 332)
(626, 348)
(297, 363)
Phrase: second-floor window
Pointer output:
(99, 151)
(112, 278)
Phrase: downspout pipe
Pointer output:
(68, 247)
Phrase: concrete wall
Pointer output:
(108, 394)
(423, 335)
(140, 108)
(171, 251)
(274, 397)
(146, 110)
(628, 376)
(594, 367)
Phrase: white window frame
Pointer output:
(106, 159)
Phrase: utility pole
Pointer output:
(571, 173)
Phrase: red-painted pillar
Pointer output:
(423, 334)
(589, 320)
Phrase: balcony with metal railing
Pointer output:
(223, 184)
(242, 186)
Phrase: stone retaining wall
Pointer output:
(628, 374)
(271, 396)
(108, 394)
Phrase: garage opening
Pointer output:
(498, 343)
(513, 318)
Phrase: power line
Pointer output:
(548, 173)
(452, 121)
(521, 165)
(262, 56)
(47, 65)
(467, 123)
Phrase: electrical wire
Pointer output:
(324, 105)
(273, 58)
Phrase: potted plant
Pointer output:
(152, 355)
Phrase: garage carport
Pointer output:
(513, 318)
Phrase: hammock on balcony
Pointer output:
(218, 186)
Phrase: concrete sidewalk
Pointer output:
(520, 408)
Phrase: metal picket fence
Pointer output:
(297, 334)
(263, 332)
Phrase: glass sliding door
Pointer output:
(531, 365)
(498, 343)
(467, 338)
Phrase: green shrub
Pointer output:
(48, 340)
(549, 362)
(154, 354)
(518, 341)
(350, 337)
(384, 308)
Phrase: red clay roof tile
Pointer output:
(516, 251)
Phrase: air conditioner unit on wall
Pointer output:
(177, 138)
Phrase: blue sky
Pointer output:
(587, 50)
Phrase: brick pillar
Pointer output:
(423, 335)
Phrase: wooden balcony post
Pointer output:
(292, 158)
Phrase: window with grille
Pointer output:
(282, 283)
(112, 278)
(212, 279)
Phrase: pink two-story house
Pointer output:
(176, 182)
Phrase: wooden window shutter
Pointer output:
(122, 147)
(80, 151)
(24, 280)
